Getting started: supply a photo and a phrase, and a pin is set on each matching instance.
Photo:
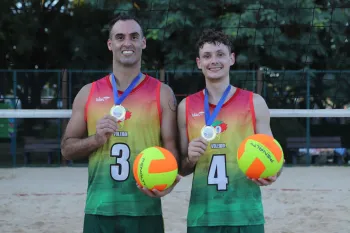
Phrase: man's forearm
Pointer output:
(187, 167)
(75, 148)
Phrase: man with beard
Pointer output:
(113, 120)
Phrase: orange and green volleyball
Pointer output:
(155, 168)
(260, 156)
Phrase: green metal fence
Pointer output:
(282, 89)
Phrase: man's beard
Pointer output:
(127, 62)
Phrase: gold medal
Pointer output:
(208, 133)
(118, 112)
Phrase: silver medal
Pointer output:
(208, 133)
(118, 112)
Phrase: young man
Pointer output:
(113, 120)
(212, 124)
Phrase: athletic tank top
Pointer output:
(221, 194)
(111, 186)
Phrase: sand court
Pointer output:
(51, 200)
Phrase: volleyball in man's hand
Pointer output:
(260, 156)
(155, 168)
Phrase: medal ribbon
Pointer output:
(118, 100)
(210, 119)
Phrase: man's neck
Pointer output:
(216, 89)
(125, 75)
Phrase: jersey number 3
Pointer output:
(121, 169)
(217, 172)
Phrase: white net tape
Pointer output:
(282, 113)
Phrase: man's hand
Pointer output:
(156, 193)
(105, 127)
(264, 181)
(196, 148)
(269, 180)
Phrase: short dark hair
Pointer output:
(123, 17)
(213, 36)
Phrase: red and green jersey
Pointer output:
(221, 194)
(111, 186)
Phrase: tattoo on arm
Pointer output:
(173, 103)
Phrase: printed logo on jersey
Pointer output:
(121, 132)
(99, 99)
(127, 116)
(219, 126)
(198, 114)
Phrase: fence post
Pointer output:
(70, 89)
(308, 84)
(59, 100)
(13, 120)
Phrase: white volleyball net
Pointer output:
(275, 113)
(299, 132)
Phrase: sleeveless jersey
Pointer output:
(112, 188)
(221, 194)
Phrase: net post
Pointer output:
(308, 157)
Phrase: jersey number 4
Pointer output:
(121, 169)
(217, 172)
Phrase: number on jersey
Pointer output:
(121, 169)
(217, 172)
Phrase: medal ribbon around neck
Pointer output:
(118, 100)
(209, 119)
(208, 132)
(118, 111)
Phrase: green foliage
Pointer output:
(278, 34)
(52, 37)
